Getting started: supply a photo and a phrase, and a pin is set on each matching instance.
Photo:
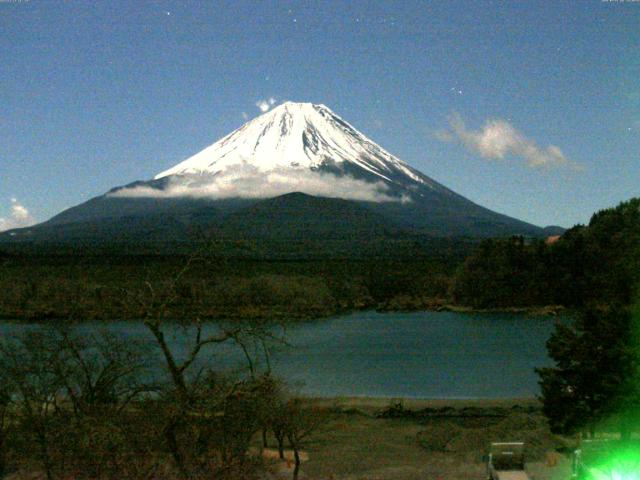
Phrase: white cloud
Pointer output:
(19, 217)
(498, 138)
(247, 181)
(266, 104)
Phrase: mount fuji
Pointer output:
(298, 171)
(292, 144)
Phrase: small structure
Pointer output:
(552, 239)
(506, 461)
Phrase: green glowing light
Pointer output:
(614, 475)
(623, 464)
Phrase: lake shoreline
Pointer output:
(534, 311)
(413, 403)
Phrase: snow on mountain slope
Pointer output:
(292, 140)
(247, 182)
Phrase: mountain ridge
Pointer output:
(295, 147)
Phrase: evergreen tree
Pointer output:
(595, 376)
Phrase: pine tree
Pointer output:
(596, 371)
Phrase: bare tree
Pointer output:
(199, 405)
(100, 373)
(26, 363)
(290, 420)
(67, 392)
(5, 402)
(300, 424)
(257, 342)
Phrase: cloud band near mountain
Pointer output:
(246, 181)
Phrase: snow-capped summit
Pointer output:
(301, 136)
(292, 171)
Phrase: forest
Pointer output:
(587, 264)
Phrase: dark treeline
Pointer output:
(595, 382)
(107, 286)
(598, 263)
(585, 265)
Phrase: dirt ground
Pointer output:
(365, 439)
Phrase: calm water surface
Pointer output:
(424, 354)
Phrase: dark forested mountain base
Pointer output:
(116, 286)
(297, 277)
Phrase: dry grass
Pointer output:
(355, 445)
(443, 445)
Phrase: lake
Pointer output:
(421, 355)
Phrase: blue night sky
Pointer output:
(99, 94)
